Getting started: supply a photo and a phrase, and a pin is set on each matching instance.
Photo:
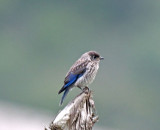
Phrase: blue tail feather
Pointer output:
(64, 95)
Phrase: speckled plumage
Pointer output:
(82, 72)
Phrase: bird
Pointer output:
(82, 73)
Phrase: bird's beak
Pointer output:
(101, 58)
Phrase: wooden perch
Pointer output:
(79, 114)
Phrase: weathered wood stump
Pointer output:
(79, 114)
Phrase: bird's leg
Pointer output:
(84, 89)
(80, 88)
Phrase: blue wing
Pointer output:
(71, 79)
(74, 73)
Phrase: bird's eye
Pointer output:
(95, 56)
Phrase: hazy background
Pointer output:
(40, 40)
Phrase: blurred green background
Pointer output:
(40, 40)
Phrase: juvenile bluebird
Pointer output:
(82, 72)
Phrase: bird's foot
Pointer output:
(85, 89)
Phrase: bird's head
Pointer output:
(93, 56)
